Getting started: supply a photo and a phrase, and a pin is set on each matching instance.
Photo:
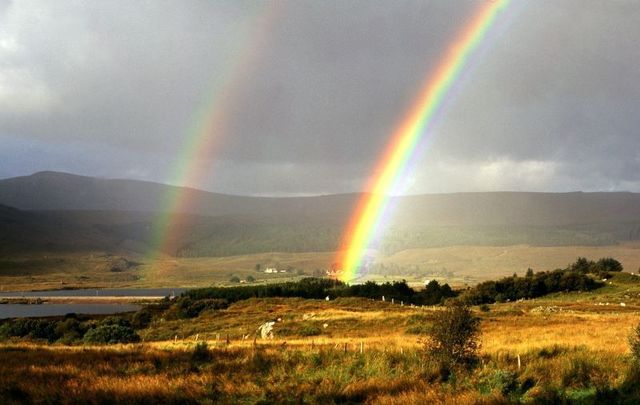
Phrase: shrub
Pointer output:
(201, 352)
(418, 330)
(188, 308)
(502, 381)
(250, 279)
(70, 330)
(634, 344)
(310, 330)
(234, 279)
(454, 336)
(111, 334)
(32, 328)
(141, 319)
(116, 321)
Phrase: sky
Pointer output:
(311, 91)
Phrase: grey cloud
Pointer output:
(321, 90)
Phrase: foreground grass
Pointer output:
(276, 373)
(562, 348)
(370, 352)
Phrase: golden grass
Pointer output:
(390, 369)
(567, 344)
(520, 334)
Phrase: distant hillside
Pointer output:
(60, 191)
(57, 211)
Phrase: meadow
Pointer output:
(456, 265)
(564, 347)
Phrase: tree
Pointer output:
(234, 279)
(582, 265)
(609, 264)
(454, 336)
(258, 267)
(529, 272)
(250, 279)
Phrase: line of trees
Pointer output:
(319, 288)
(578, 276)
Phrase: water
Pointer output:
(36, 310)
(32, 310)
(108, 292)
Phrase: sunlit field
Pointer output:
(457, 265)
(565, 346)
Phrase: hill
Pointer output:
(58, 211)
(61, 191)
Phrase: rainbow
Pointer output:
(371, 208)
(208, 125)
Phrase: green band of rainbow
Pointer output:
(404, 141)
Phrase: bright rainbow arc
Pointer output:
(404, 141)
(206, 128)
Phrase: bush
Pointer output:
(201, 352)
(186, 307)
(32, 328)
(634, 344)
(310, 330)
(418, 330)
(503, 381)
(70, 330)
(111, 334)
(454, 336)
(116, 321)
(141, 319)
(234, 279)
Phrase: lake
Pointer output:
(36, 310)
(31, 310)
(107, 292)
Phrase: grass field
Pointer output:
(570, 347)
(457, 265)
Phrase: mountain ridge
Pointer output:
(54, 191)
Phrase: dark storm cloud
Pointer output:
(112, 88)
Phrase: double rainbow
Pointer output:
(372, 206)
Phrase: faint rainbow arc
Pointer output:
(206, 128)
(371, 207)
